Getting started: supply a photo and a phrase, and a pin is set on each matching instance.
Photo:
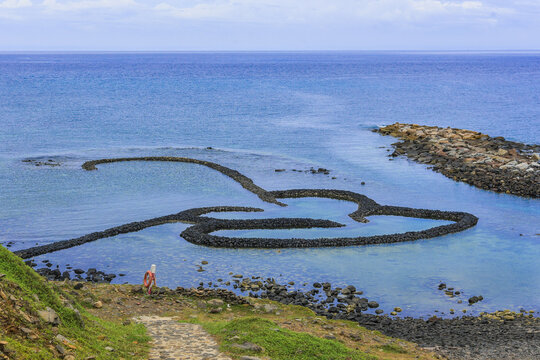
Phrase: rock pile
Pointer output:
(92, 275)
(474, 158)
(36, 162)
(343, 303)
(223, 294)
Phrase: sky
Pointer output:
(251, 25)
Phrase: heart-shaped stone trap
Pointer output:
(200, 233)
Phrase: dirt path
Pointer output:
(173, 340)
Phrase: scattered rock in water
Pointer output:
(38, 162)
(92, 274)
(442, 286)
(373, 304)
(474, 299)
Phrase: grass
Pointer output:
(296, 333)
(283, 331)
(25, 292)
(279, 343)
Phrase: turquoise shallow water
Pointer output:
(262, 112)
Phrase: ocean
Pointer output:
(259, 112)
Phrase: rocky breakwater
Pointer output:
(490, 163)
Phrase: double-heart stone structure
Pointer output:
(200, 232)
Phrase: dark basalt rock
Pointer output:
(37, 162)
(200, 232)
(505, 337)
(477, 159)
(475, 299)
(243, 180)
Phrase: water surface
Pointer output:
(260, 112)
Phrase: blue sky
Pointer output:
(152, 25)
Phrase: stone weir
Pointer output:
(199, 233)
(490, 163)
(243, 180)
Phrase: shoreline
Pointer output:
(484, 336)
(499, 335)
(489, 163)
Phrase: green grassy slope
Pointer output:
(279, 343)
(27, 334)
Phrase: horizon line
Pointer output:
(264, 51)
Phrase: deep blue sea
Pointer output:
(260, 112)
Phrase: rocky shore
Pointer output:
(490, 163)
(499, 335)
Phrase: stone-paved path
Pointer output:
(173, 340)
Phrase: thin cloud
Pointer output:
(321, 10)
(278, 11)
(15, 4)
(288, 24)
(53, 5)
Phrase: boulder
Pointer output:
(215, 302)
(50, 316)
(247, 346)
